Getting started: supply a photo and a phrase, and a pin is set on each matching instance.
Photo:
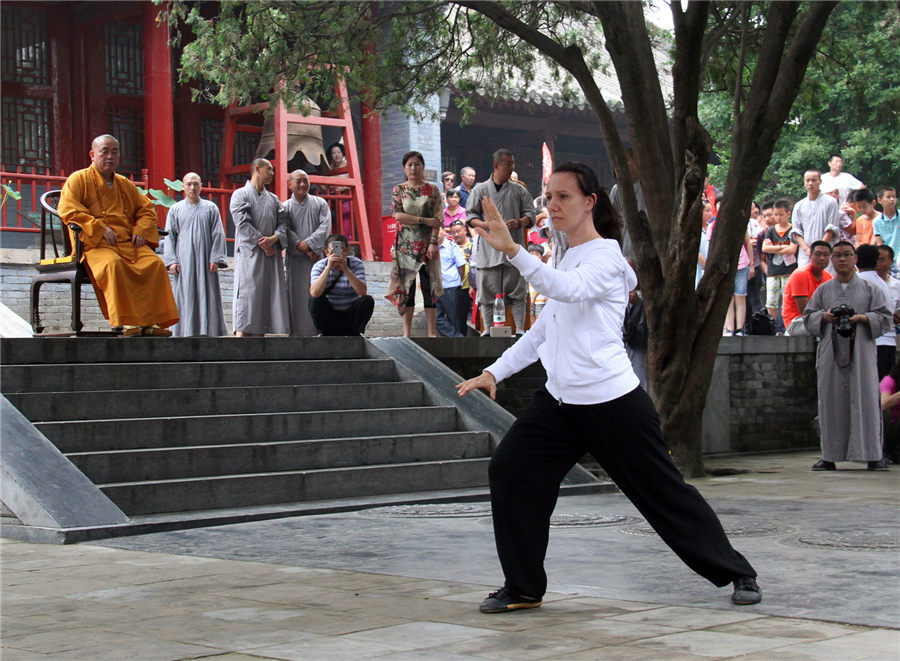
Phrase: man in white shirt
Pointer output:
(842, 182)
(887, 343)
(867, 264)
(816, 217)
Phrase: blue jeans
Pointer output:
(451, 315)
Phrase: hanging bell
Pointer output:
(301, 137)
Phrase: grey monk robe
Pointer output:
(308, 221)
(196, 240)
(495, 274)
(849, 401)
(260, 297)
(513, 201)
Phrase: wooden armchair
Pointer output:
(63, 266)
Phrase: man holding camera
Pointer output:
(847, 313)
(338, 301)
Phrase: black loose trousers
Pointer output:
(624, 436)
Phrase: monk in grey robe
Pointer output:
(308, 220)
(194, 252)
(260, 296)
(849, 401)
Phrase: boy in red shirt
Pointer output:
(801, 285)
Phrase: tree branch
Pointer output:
(740, 64)
(628, 44)
(713, 37)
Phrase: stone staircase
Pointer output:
(164, 426)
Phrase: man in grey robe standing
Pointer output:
(194, 251)
(308, 221)
(260, 296)
(495, 274)
(849, 401)
(815, 218)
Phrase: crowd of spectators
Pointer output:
(532, 227)
(777, 254)
(826, 265)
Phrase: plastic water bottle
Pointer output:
(499, 311)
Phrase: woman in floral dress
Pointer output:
(416, 206)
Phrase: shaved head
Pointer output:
(262, 173)
(105, 155)
(298, 182)
(192, 187)
(101, 139)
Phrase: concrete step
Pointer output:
(137, 433)
(187, 462)
(293, 486)
(168, 521)
(54, 406)
(56, 350)
(142, 376)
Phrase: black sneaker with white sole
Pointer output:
(746, 591)
(505, 600)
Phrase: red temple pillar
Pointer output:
(159, 118)
(280, 162)
(371, 158)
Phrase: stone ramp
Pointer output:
(182, 432)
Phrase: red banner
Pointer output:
(548, 163)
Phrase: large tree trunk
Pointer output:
(685, 325)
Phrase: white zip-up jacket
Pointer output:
(578, 336)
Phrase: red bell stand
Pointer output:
(349, 176)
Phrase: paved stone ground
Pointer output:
(404, 583)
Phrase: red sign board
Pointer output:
(388, 232)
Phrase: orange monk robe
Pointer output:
(132, 284)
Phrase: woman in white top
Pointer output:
(591, 403)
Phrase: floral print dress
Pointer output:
(412, 241)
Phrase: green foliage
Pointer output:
(849, 102)
(160, 197)
(9, 191)
(392, 54)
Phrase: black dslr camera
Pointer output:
(843, 314)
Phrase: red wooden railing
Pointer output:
(24, 215)
(220, 197)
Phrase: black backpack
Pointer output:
(762, 323)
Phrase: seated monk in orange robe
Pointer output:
(118, 235)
